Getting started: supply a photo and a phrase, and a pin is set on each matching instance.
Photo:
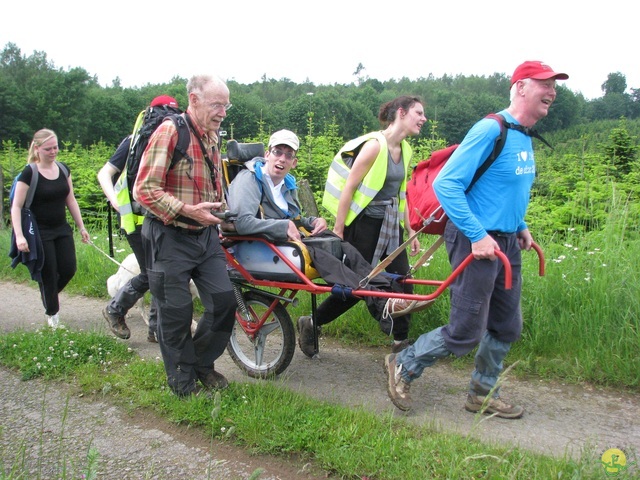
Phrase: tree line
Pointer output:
(34, 93)
(592, 172)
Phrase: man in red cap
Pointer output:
(536, 70)
(118, 307)
(485, 219)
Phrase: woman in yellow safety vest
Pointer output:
(368, 197)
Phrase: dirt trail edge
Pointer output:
(559, 419)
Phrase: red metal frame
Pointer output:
(289, 290)
(319, 287)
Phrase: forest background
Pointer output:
(592, 169)
(584, 209)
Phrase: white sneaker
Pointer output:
(53, 321)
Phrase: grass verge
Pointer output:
(265, 417)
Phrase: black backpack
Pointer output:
(147, 123)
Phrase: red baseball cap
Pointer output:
(536, 70)
(163, 100)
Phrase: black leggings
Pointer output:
(59, 265)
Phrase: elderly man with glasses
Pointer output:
(181, 241)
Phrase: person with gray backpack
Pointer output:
(44, 192)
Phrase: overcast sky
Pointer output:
(142, 42)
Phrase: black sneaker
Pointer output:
(305, 336)
(214, 380)
(152, 337)
(494, 405)
(117, 325)
(198, 391)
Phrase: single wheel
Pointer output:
(262, 351)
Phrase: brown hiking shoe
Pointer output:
(397, 307)
(214, 380)
(397, 387)
(305, 336)
(117, 325)
(478, 403)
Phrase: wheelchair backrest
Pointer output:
(237, 155)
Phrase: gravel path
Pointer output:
(559, 419)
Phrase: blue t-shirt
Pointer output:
(499, 199)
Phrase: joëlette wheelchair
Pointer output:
(267, 277)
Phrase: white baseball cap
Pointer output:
(284, 137)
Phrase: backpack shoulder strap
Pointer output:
(498, 145)
(184, 138)
(63, 169)
(532, 132)
(32, 186)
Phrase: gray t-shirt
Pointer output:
(390, 189)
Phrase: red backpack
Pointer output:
(424, 207)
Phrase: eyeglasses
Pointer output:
(278, 153)
(220, 106)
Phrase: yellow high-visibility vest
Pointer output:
(372, 182)
(128, 220)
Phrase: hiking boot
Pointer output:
(214, 380)
(397, 387)
(152, 337)
(117, 325)
(398, 347)
(397, 307)
(305, 336)
(478, 403)
(198, 391)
